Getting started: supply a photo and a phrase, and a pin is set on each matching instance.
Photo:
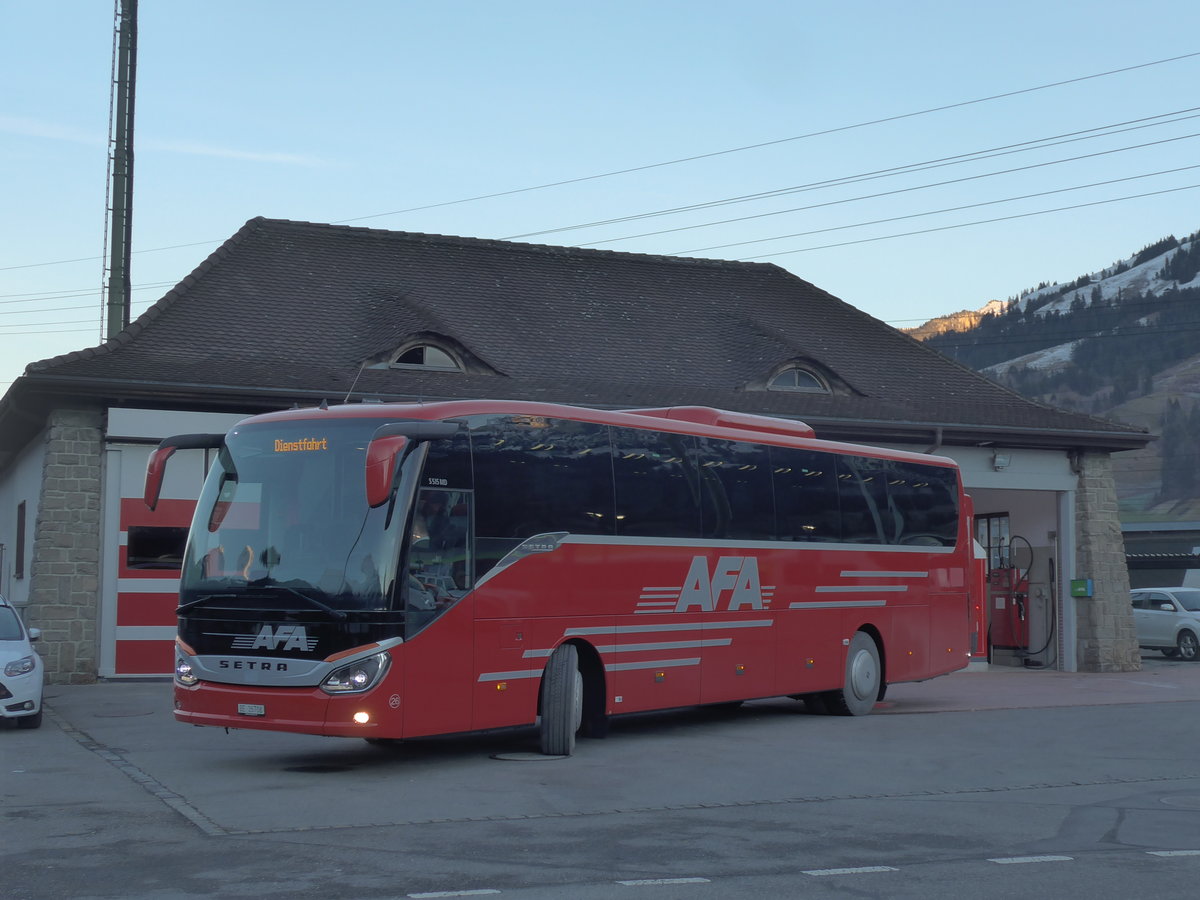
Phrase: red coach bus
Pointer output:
(387, 571)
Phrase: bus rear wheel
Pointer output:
(562, 702)
(863, 679)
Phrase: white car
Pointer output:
(1168, 619)
(21, 670)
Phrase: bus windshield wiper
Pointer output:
(338, 614)
(311, 601)
(202, 601)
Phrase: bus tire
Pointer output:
(562, 702)
(864, 678)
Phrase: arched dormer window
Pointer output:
(425, 356)
(798, 378)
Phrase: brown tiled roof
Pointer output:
(292, 309)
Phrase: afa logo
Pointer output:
(733, 583)
(285, 637)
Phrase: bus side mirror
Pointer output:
(388, 446)
(156, 468)
(382, 456)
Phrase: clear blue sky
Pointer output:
(352, 112)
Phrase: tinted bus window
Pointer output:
(925, 498)
(806, 495)
(862, 498)
(657, 484)
(535, 475)
(738, 499)
(448, 463)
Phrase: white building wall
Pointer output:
(1033, 487)
(21, 481)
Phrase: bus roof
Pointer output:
(701, 421)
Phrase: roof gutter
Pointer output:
(827, 427)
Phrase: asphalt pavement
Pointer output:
(127, 729)
(113, 798)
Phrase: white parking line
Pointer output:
(1174, 852)
(1017, 860)
(857, 870)
(641, 881)
(454, 893)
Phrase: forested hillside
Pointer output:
(1122, 343)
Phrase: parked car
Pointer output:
(1168, 619)
(21, 670)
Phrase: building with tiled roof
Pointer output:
(290, 313)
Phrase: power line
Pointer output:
(60, 262)
(798, 137)
(51, 331)
(680, 160)
(907, 169)
(934, 212)
(75, 292)
(892, 193)
(26, 312)
(1043, 212)
(18, 312)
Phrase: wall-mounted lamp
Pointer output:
(1000, 461)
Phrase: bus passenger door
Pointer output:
(439, 674)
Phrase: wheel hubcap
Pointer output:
(864, 675)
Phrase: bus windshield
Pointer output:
(284, 514)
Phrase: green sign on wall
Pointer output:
(1081, 587)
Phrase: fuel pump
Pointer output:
(1008, 601)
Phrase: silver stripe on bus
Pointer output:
(665, 645)
(666, 626)
(859, 588)
(510, 676)
(835, 604)
(848, 574)
(639, 648)
(703, 543)
(708, 543)
(653, 664)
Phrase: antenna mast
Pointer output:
(118, 211)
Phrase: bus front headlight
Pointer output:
(358, 676)
(183, 672)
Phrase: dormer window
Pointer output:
(796, 378)
(425, 356)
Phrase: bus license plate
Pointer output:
(251, 709)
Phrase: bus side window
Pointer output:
(535, 475)
(862, 498)
(926, 500)
(738, 500)
(658, 487)
(806, 495)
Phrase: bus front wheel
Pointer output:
(863, 679)
(562, 702)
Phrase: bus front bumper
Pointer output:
(298, 710)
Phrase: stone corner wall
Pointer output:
(65, 570)
(1105, 637)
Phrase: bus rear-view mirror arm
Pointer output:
(156, 467)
